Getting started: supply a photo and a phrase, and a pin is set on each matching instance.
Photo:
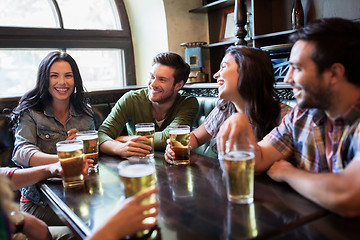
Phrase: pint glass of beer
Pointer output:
(70, 153)
(179, 142)
(138, 175)
(91, 147)
(238, 166)
(146, 130)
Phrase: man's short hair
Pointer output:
(170, 59)
(336, 40)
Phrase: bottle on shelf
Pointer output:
(297, 15)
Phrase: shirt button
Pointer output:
(41, 202)
(47, 136)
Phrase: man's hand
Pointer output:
(128, 218)
(230, 130)
(279, 170)
(132, 146)
(169, 153)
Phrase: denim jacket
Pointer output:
(40, 131)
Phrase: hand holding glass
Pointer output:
(146, 130)
(91, 147)
(137, 176)
(70, 153)
(179, 142)
(238, 166)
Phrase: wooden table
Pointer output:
(193, 205)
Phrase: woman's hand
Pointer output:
(87, 163)
(55, 169)
(71, 134)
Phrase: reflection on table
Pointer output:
(193, 204)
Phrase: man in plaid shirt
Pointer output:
(320, 137)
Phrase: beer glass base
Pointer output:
(182, 162)
(149, 156)
(149, 220)
(73, 184)
(94, 169)
(241, 200)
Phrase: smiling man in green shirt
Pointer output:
(161, 103)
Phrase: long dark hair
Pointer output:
(256, 87)
(39, 97)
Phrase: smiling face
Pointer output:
(61, 81)
(227, 77)
(161, 84)
(311, 89)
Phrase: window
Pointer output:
(94, 32)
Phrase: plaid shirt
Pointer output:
(213, 121)
(301, 139)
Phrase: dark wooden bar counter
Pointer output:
(193, 205)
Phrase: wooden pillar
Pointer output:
(240, 19)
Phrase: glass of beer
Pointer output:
(238, 166)
(146, 130)
(179, 142)
(138, 175)
(70, 153)
(91, 147)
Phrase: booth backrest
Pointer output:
(101, 111)
(6, 141)
(206, 105)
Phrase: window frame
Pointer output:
(21, 37)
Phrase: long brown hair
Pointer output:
(256, 87)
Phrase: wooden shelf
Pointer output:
(274, 34)
(219, 44)
(278, 48)
(213, 6)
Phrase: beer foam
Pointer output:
(179, 131)
(86, 137)
(239, 155)
(145, 129)
(136, 170)
(69, 148)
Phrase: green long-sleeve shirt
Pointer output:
(135, 107)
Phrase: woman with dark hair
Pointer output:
(246, 84)
(51, 112)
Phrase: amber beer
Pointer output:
(91, 147)
(146, 130)
(137, 177)
(70, 153)
(179, 142)
(239, 175)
